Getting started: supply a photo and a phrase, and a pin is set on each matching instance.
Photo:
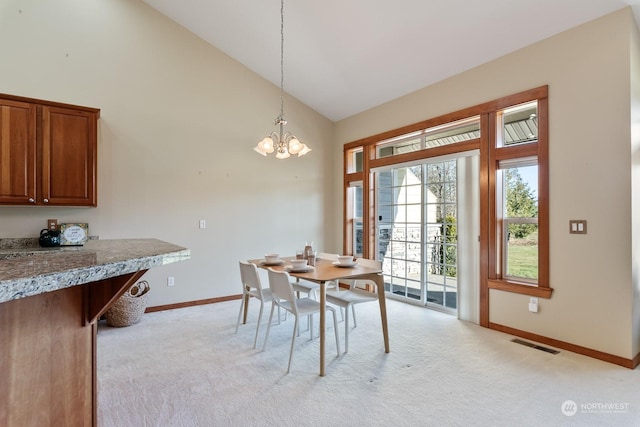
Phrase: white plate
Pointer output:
(337, 264)
(272, 263)
(305, 269)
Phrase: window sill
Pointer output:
(534, 291)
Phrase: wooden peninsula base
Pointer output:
(48, 352)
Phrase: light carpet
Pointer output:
(186, 367)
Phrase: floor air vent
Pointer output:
(536, 346)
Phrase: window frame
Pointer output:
(502, 250)
(491, 154)
(352, 218)
(498, 154)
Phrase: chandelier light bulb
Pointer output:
(304, 150)
(267, 144)
(282, 153)
(294, 146)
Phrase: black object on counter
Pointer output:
(49, 238)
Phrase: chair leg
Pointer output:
(240, 313)
(353, 310)
(293, 342)
(298, 332)
(310, 323)
(335, 328)
(255, 340)
(266, 337)
(346, 328)
(247, 297)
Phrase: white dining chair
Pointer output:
(310, 288)
(356, 294)
(252, 287)
(282, 294)
(304, 287)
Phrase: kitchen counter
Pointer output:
(28, 270)
(50, 302)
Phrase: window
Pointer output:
(431, 137)
(452, 133)
(519, 212)
(518, 246)
(354, 161)
(518, 124)
(355, 196)
(400, 145)
(511, 135)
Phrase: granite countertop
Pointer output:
(30, 270)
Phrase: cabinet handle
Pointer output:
(31, 200)
(46, 200)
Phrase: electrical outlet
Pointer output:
(533, 305)
(52, 224)
(170, 281)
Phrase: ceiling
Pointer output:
(342, 57)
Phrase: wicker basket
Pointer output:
(129, 308)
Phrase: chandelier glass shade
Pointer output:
(284, 144)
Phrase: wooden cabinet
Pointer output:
(48, 153)
(68, 155)
(17, 152)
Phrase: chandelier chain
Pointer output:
(281, 59)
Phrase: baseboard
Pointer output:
(203, 302)
(636, 361)
(606, 357)
(191, 303)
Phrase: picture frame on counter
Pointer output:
(74, 234)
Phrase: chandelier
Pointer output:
(283, 143)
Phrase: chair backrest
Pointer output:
(249, 277)
(372, 263)
(368, 285)
(327, 256)
(281, 290)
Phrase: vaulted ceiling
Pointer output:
(342, 57)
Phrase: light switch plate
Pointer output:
(577, 226)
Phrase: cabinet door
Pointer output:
(68, 157)
(17, 152)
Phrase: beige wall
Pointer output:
(588, 73)
(178, 123)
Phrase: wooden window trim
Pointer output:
(540, 150)
(353, 177)
(490, 155)
(519, 288)
(426, 153)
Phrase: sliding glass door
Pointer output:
(441, 213)
(399, 229)
(417, 225)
